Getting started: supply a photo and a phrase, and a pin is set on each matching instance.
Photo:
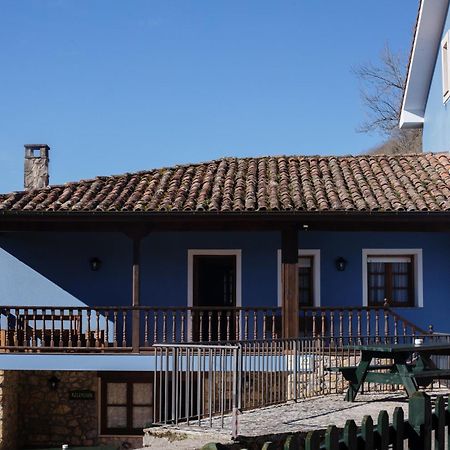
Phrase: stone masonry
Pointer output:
(49, 417)
(8, 410)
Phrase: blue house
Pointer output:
(95, 272)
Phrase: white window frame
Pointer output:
(418, 271)
(315, 253)
(214, 252)
(445, 59)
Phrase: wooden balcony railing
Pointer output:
(354, 323)
(100, 329)
(113, 328)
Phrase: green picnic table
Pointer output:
(401, 371)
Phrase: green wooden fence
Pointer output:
(424, 429)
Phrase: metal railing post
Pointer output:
(236, 394)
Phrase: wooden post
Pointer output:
(289, 282)
(136, 292)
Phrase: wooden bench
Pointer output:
(348, 372)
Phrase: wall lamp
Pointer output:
(95, 264)
(341, 264)
(53, 383)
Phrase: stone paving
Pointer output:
(303, 416)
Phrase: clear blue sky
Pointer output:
(117, 86)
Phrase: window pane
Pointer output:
(116, 393)
(400, 281)
(400, 296)
(304, 286)
(142, 394)
(142, 416)
(304, 262)
(376, 296)
(116, 417)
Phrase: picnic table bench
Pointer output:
(401, 371)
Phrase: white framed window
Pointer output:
(395, 275)
(308, 277)
(445, 67)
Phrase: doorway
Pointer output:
(215, 292)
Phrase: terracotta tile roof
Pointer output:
(278, 183)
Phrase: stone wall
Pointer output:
(32, 415)
(8, 410)
(49, 417)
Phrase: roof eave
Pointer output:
(425, 47)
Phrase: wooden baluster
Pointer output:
(265, 317)
(405, 331)
(396, 330)
(155, 326)
(332, 326)
(88, 328)
(106, 328)
(174, 325)
(78, 321)
(322, 323)
(115, 314)
(246, 325)
(255, 325)
(359, 325)
(34, 344)
(368, 319)
(350, 325)
(190, 324)
(52, 331)
(238, 325)
(24, 322)
(377, 325)
(97, 328)
(341, 327)
(164, 330)
(200, 332)
(61, 328)
(314, 333)
(69, 343)
(124, 328)
(219, 325)
(386, 325)
(183, 319)
(146, 343)
(274, 334)
(16, 327)
(44, 331)
(228, 325)
(210, 326)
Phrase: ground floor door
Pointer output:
(215, 293)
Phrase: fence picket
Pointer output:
(383, 430)
(419, 417)
(350, 440)
(312, 441)
(332, 438)
(367, 433)
(398, 428)
(439, 434)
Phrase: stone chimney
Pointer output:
(36, 166)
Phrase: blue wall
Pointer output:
(436, 130)
(53, 268)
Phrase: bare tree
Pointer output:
(382, 86)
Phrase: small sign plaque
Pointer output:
(83, 394)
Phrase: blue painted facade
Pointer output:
(53, 268)
(436, 129)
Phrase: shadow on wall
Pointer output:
(54, 268)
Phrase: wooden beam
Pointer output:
(136, 236)
(289, 282)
